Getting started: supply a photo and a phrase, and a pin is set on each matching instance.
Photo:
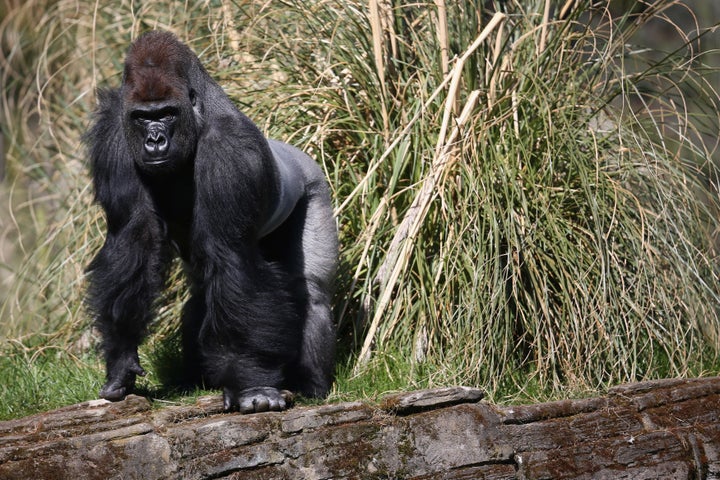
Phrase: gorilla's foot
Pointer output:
(257, 399)
(121, 377)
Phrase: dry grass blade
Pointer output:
(378, 35)
(442, 34)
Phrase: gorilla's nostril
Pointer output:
(156, 143)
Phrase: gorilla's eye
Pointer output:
(193, 97)
(139, 121)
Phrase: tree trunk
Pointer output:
(660, 429)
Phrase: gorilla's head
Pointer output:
(161, 108)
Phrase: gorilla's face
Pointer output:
(162, 134)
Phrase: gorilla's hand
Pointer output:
(121, 376)
(257, 399)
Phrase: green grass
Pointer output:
(37, 379)
(538, 219)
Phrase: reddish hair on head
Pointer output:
(156, 67)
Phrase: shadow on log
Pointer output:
(660, 429)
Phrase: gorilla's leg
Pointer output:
(317, 357)
(319, 240)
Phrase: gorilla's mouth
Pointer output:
(156, 162)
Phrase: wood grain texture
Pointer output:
(660, 429)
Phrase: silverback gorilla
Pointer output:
(178, 169)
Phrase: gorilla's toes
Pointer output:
(257, 399)
(113, 391)
(122, 372)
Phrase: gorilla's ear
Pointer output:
(197, 107)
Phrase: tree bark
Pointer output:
(658, 429)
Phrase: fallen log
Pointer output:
(658, 429)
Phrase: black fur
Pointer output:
(177, 168)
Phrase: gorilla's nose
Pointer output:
(156, 144)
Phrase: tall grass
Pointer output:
(531, 212)
(524, 200)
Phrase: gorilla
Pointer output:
(179, 170)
